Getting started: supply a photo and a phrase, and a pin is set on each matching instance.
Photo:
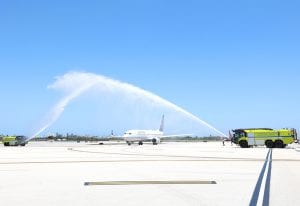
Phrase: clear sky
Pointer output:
(232, 63)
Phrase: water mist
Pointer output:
(76, 83)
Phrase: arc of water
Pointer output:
(76, 83)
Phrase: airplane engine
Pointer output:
(155, 141)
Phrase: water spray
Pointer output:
(76, 83)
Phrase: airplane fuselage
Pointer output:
(142, 135)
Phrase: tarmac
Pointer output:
(171, 173)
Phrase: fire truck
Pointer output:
(271, 138)
(14, 140)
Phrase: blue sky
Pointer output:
(232, 63)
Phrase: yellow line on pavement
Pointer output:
(169, 182)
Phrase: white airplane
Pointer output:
(154, 136)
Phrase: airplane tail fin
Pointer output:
(161, 128)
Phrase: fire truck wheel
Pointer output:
(278, 144)
(244, 144)
(269, 144)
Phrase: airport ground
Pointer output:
(191, 173)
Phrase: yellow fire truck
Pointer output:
(14, 140)
(264, 136)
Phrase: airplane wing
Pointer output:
(115, 136)
(176, 135)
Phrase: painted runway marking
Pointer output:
(122, 161)
(170, 182)
(267, 175)
(197, 158)
(266, 199)
(148, 155)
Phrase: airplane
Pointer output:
(154, 136)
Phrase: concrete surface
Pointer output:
(57, 173)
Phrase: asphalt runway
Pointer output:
(69, 173)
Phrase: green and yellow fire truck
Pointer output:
(264, 136)
(14, 140)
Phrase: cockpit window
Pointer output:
(239, 135)
(20, 137)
